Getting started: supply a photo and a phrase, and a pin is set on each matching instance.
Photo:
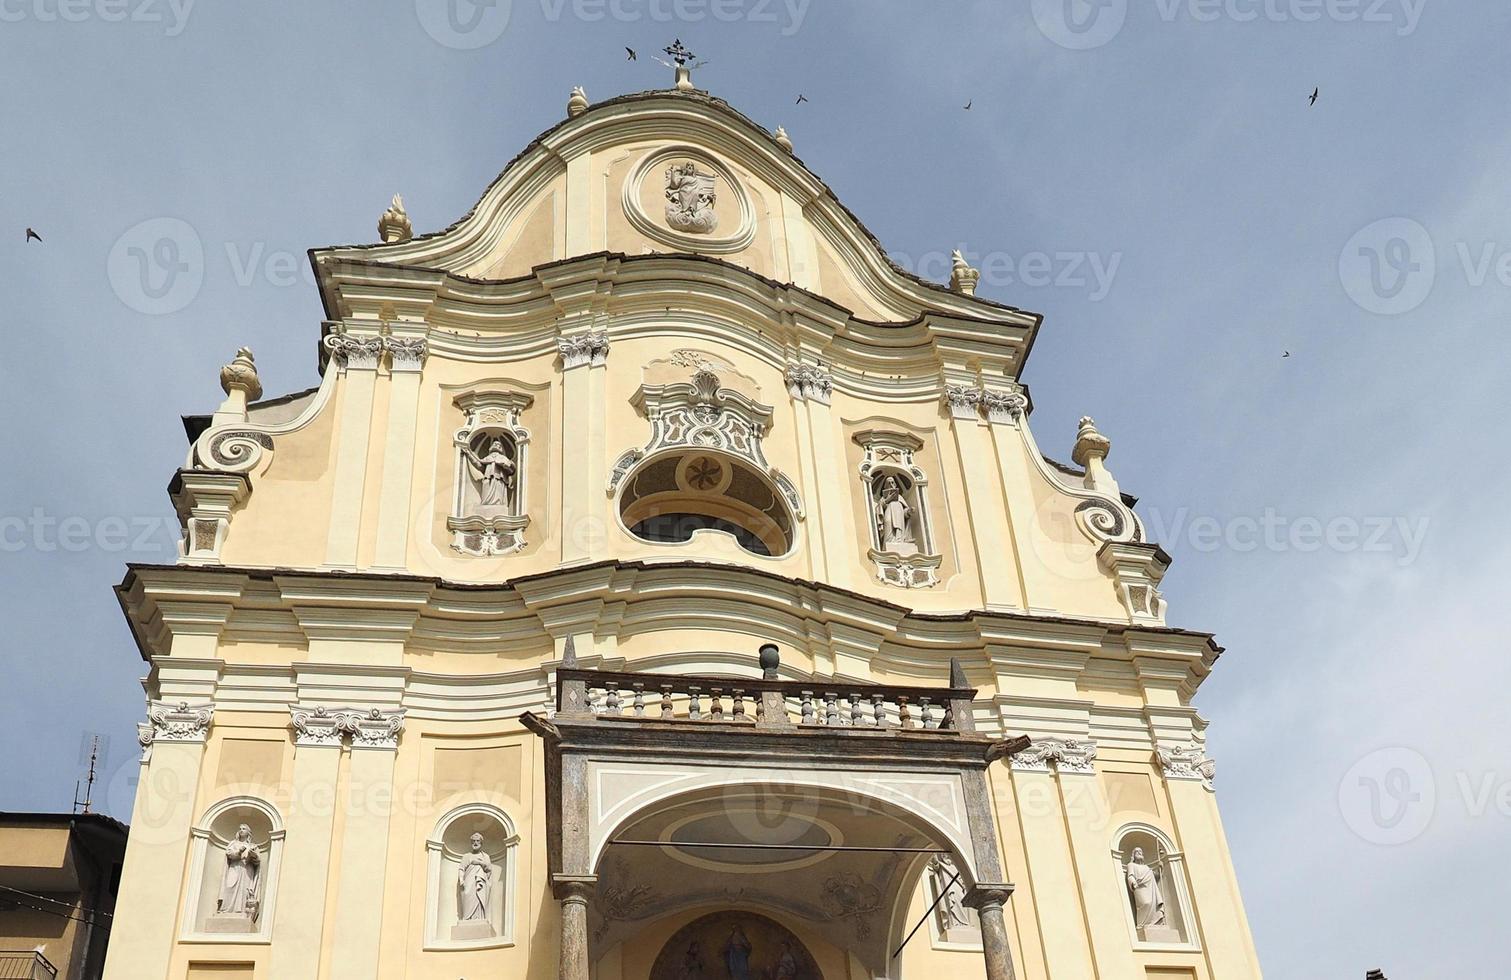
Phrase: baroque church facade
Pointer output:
(661, 583)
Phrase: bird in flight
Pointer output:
(31, 234)
(1315, 92)
(801, 99)
(969, 104)
(1286, 354)
(633, 56)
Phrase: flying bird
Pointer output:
(801, 99)
(969, 104)
(1315, 92)
(1286, 354)
(31, 234)
(633, 56)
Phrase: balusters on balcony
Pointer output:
(778, 704)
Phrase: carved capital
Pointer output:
(989, 895)
(180, 722)
(1004, 405)
(371, 728)
(1187, 762)
(355, 353)
(1062, 755)
(573, 888)
(806, 381)
(407, 353)
(962, 401)
(590, 348)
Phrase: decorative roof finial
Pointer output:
(679, 53)
(395, 226)
(240, 383)
(1091, 451)
(963, 278)
(783, 140)
(578, 103)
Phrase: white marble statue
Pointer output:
(1144, 889)
(495, 474)
(474, 883)
(238, 889)
(894, 518)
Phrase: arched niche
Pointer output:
(903, 546)
(1151, 876)
(471, 865)
(489, 512)
(670, 498)
(236, 852)
(735, 943)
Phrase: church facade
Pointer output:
(660, 583)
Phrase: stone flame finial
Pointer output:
(1091, 451)
(783, 140)
(395, 226)
(578, 103)
(240, 382)
(963, 278)
(241, 375)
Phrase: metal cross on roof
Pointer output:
(679, 53)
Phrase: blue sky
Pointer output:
(1148, 175)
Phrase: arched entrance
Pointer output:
(735, 945)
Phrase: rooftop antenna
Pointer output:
(83, 806)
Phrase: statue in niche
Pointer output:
(474, 879)
(238, 889)
(894, 517)
(1146, 891)
(495, 476)
(957, 921)
(690, 199)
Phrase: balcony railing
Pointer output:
(765, 702)
(26, 965)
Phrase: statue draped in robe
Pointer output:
(894, 518)
(737, 955)
(238, 889)
(495, 473)
(474, 881)
(1144, 890)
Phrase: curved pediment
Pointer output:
(669, 172)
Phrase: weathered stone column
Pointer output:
(572, 892)
(989, 901)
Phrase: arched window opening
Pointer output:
(671, 499)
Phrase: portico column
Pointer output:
(990, 901)
(572, 892)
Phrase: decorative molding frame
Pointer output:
(892, 452)
(361, 728)
(1066, 756)
(201, 836)
(1175, 861)
(682, 241)
(1189, 762)
(499, 534)
(702, 414)
(506, 866)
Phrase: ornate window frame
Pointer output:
(440, 880)
(201, 835)
(490, 414)
(892, 453)
(1173, 882)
